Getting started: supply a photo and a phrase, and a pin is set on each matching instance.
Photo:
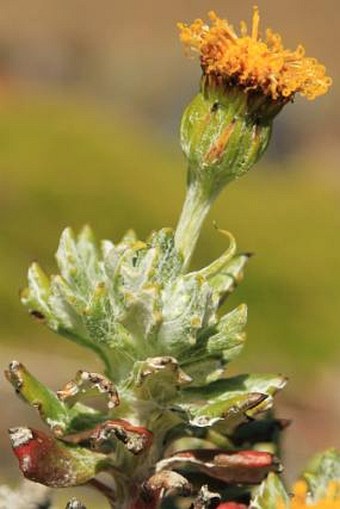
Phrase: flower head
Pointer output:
(300, 499)
(253, 63)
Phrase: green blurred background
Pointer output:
(91, 95)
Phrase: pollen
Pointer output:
(252, 62)
(301, 500)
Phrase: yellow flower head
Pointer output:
(253, 63)
(300, 497)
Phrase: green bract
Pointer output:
(224, 132)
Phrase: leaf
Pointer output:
(80, 303)
(230, 399)
(158, 378)
(323, 470)
(66, 309)
(170, 261)
(216, 346)
(58, 416)
(243, 467)
(50, 408)
(87, 384)
(270, 494)
(136, 439)
(35, 297)
(77, 259)
(225, 282)
(104, 437)
(225, 273)
(143, 316)
(230, 409)
(53, 463)
(230, 336)
(187, 307)
(218, 265)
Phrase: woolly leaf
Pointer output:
(187, 307)
(216, 346)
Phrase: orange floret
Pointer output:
(300, 497)
(253, 63)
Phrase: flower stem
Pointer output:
(195, 209)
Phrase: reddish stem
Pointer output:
(104, 490)
(142, 504)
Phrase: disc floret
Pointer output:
(254, 63)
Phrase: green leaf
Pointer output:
(78, 260)
(217, 266)
(187, 307)
(158, 378)
(225, 273)
(170, 261)
(230, 408)
(323, 469)
(55, 413)
(225, 281)
(230, 336)
(33, 392)
(231, 399)
(216, 346)
(35, 297)
(270, 494)
(143, 316)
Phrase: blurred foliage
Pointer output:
(65, 163)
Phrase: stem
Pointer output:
(195, 209)
(104, 490)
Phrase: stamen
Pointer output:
(256, 24)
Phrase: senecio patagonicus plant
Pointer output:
(176, 430)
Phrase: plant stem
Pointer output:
(195, 209)
(105, 490)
